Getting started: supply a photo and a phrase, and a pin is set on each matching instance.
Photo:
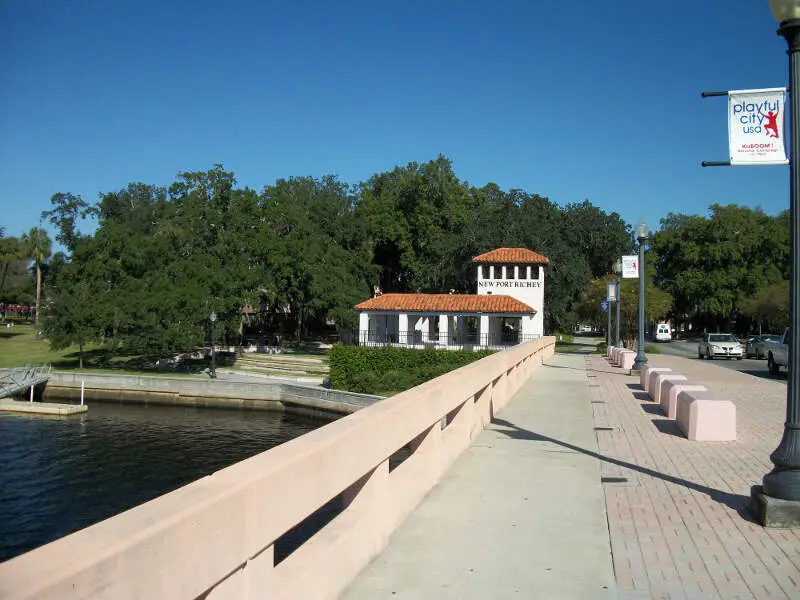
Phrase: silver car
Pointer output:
(720, 344)
(757, 345)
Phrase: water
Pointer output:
(61, 474)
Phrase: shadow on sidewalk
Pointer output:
(735, 501)
(583, 369)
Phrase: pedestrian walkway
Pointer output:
(519, 515)
(523, 513)
(678, 525)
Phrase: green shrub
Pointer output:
(652, 349)
(385, 370)
(566, 338)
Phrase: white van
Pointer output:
(663, 333)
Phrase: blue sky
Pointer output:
(570, 100)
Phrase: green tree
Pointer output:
(67, 210)
(710, 265)
(36, 246)
(657, 304)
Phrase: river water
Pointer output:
(61, 474)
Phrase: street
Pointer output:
(749, 366)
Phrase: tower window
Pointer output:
(523, 271)
(509, 271)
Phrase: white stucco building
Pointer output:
(508, 308)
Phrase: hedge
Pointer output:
(386, 370)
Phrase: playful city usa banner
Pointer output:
(755, 126)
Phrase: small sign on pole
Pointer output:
(611, 291)
(630, 267)
(604, 305)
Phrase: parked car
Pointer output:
(663, 333)
(720, 344)
(757, 345)
(778, 354)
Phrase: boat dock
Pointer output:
(41, 408)
(16, 381)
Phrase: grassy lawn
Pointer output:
(18, 346)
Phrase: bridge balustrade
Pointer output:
(297, 521)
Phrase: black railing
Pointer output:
(419, 339)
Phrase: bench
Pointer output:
(669, 394)
(644, 376)
(706, 416)
(656, 381)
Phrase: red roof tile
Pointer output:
(512, 255)
(446, 303)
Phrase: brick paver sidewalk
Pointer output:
(678, 526)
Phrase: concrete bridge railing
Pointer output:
(234, 534)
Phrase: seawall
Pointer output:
(301, 399)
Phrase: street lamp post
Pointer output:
(641, 237)
(608, 321)
(618, 271)
(777, 501)
(213, 318)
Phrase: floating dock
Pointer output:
(41, 408)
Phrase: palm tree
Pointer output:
(37, 247)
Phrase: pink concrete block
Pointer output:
(614, 353)
(705, 416)
(608, 351)
(619, 354)
(627, 359)
(656, 381)
(669, 394)
(644, 376)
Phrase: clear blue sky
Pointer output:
(569, 99)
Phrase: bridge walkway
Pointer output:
(19, 379)
(518, 515)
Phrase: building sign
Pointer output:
(755, 126)
(630, 267)
(611, 292)
(490, 283)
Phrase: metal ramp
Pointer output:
(15, 381)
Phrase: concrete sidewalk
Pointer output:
(519, 515)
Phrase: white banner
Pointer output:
(611, 291)
(630, 267)
(755, 126)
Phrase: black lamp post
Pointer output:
(618, 271)
(213, 318)
(641, 237)
(782, 484)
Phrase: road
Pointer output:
(750, 366)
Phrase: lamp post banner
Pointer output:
(611, 291)
(755, 126)
(630, 267)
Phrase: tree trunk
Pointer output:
(38, 291)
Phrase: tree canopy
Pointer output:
(299, 254)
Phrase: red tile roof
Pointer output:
(446, 303)
(512, 255)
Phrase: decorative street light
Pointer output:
(782, 484)
(641, 237)
(618, 271)
(213, 318)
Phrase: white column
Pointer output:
(444, 331)
(483, 330)
(403, 335)
(363, 328)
